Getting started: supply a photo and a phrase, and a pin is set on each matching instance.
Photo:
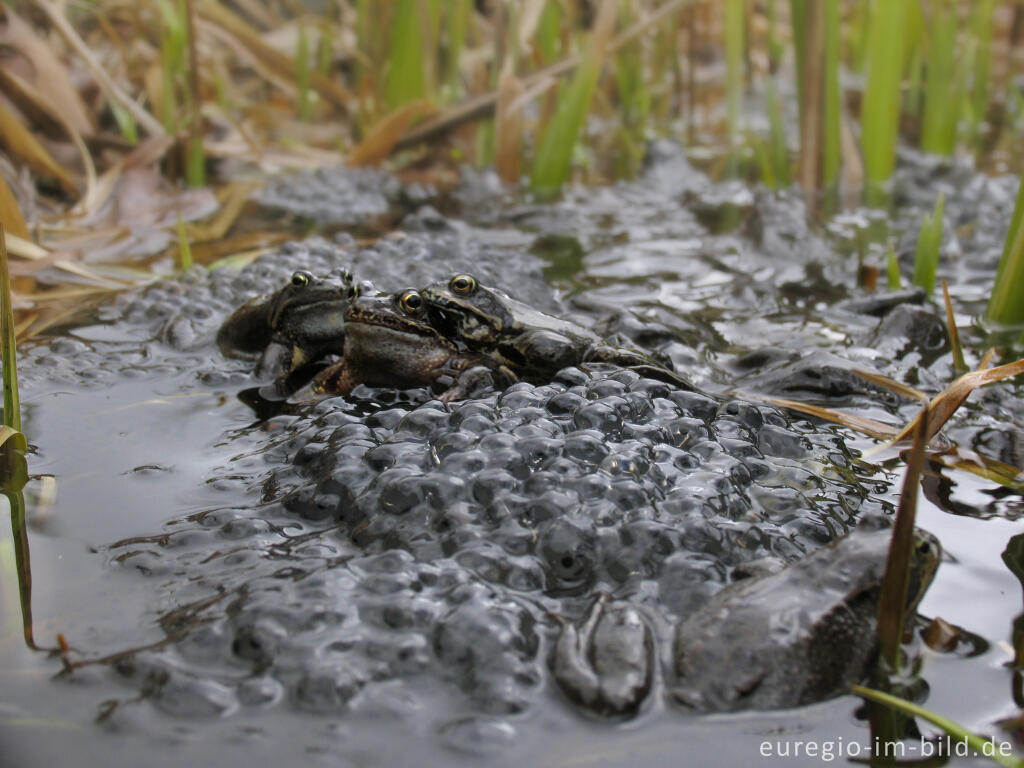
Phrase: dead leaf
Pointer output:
(869, 427)
(20, 143)
(945, 404)
(10, 214)
(271, 57)
(382, 137)
(43, 71)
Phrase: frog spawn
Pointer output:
(435, 544)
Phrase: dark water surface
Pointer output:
(373, 580)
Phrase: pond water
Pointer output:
(312, 585)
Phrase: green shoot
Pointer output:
(798, 19)
(8, 344)
(892, 270)
(548, 37)
(832, 100)
(929, 239)
(125, 123)
(735, 27)
(553, 161)
(457, 23)
(941, 105)
(981, 28)
(634, 99)
(979, 744)
(880, 110)
(1006, 305)
(184, 248)
(302, 75)
(777, 155)
(406, 77)
(172, 60)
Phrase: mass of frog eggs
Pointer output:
(388, 539)
(437, 543)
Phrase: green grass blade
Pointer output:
(548, 38)
(979, 744)
(1006, 304)
(302, 75)
(184, 248)
(982, 30)
(778, 154)
(892, 269)
(832, 100)
(125, 122)
(8, 344)
(456, 25)
(406, 76)
(735, 28)
(880, 110)
(798, 20)
(938, 130)
(553, 161)
(929, 239)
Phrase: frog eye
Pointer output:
(462, 284)
(411, 302)
(302, 277)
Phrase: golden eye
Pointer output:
(411, 302)
(302, 277)
(462, 284)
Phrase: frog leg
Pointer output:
(336, 379)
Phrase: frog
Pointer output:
(799, 635)
(606, 665)
(523, 341)
(390, 342)
(297, 325)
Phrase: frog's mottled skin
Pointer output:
(606, 664)
(798, 636)
(301, 323)
(531, 344)
(388, 343)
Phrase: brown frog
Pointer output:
(390, 343)
(517, 338)
(299, 324)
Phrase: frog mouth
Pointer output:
(446, 322)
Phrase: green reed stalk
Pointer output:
(456, 26)
(195, 155)
(798, 20)
(548, 38)
(302, 75)
(184, 247)
(831, 144)
(880, 110)
(1006, 304)
(406, 75)
(8, 344)
(777, 154)
(981, 27)
(172, 63)
(735, 27)
(979, 744)
(553, 160)
(941, 105)
(929, 239)
(634, 98)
